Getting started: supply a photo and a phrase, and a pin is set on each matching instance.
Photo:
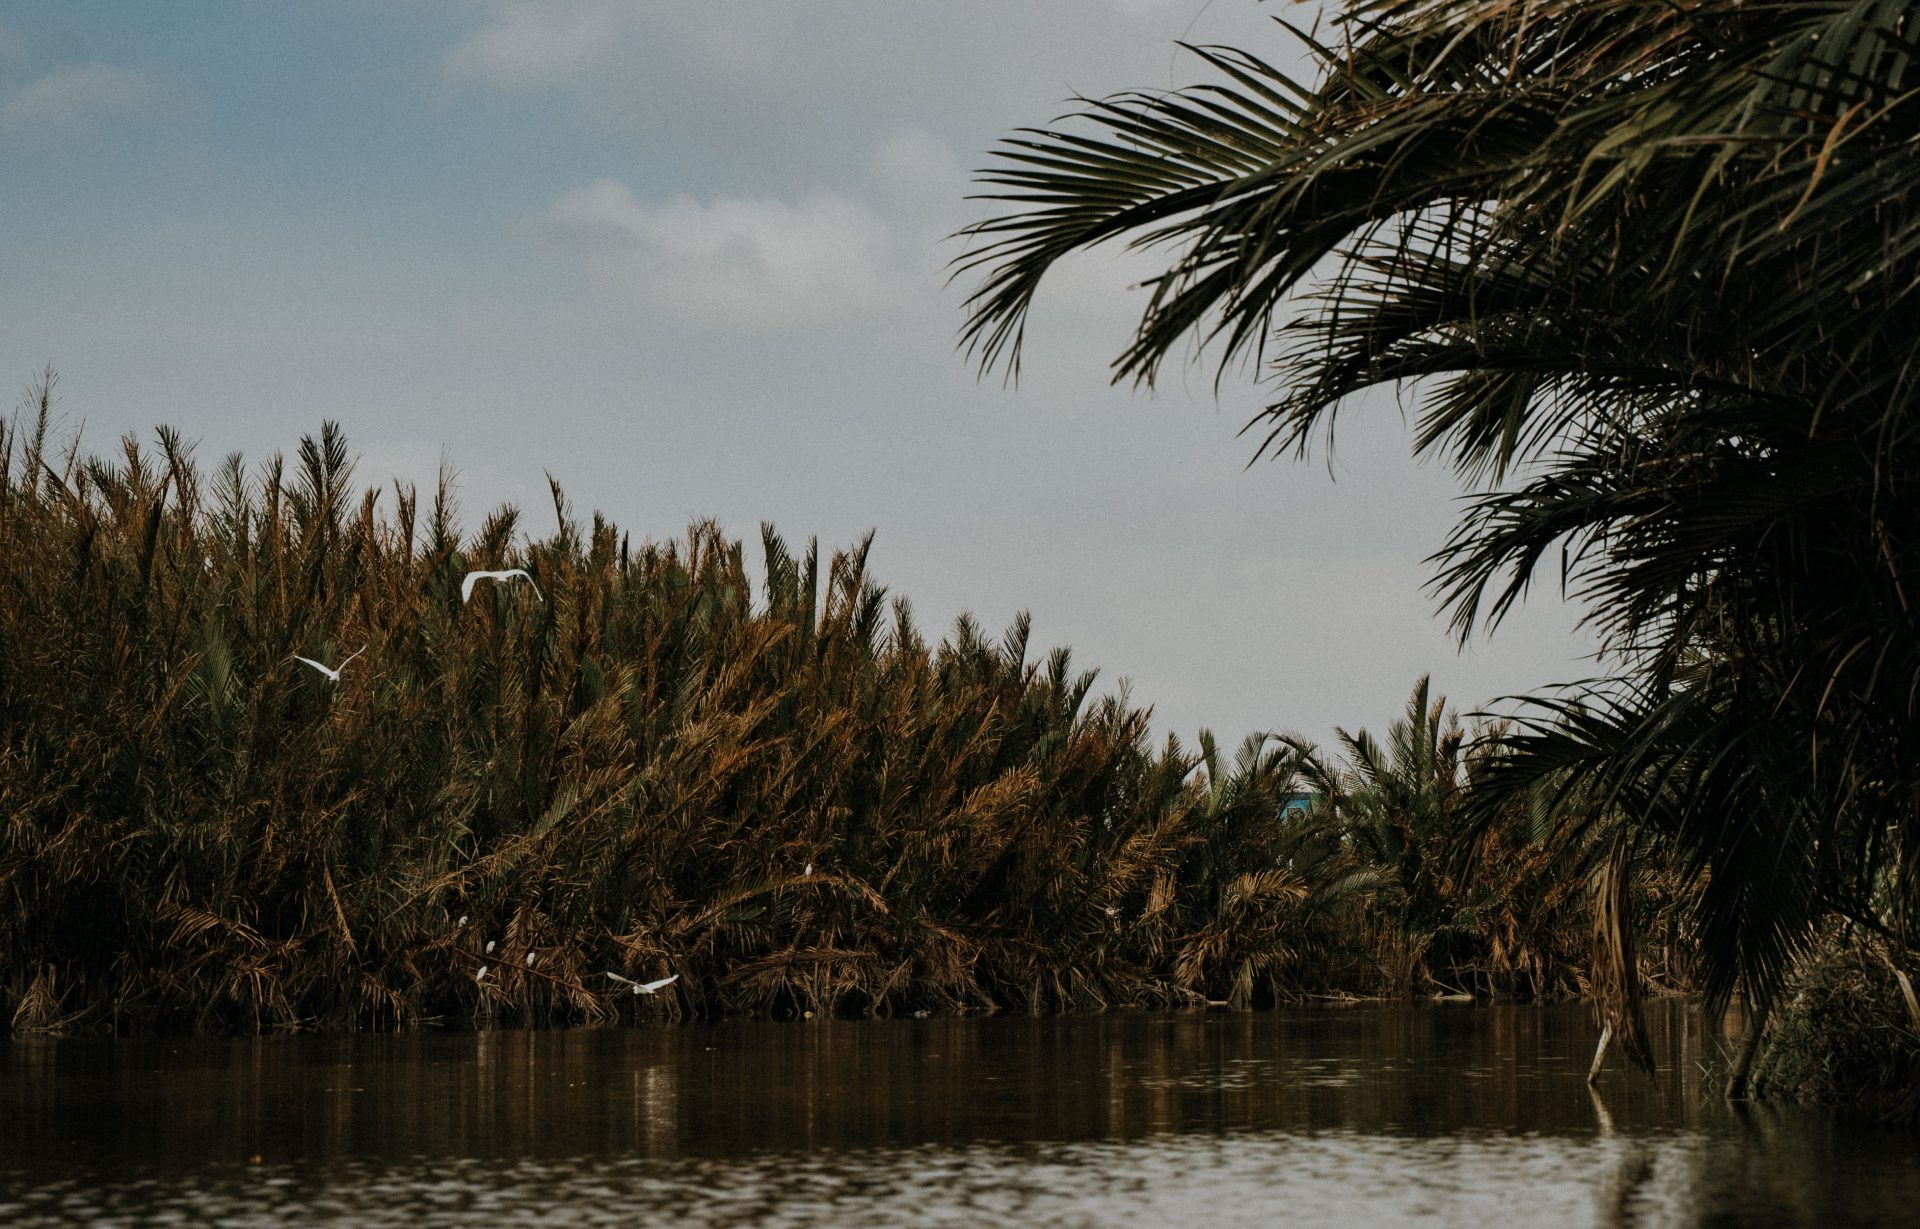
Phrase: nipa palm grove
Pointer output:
(778, 788)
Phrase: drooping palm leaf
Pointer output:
(1653, 268)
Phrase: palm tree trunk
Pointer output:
(1742, 1072)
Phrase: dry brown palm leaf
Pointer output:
(1615, 972)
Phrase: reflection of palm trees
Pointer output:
(1627, 1176)
(656, 1097)
(1600, 1114)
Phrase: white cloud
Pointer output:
(527, 44)
(731, 261)
(531, 42)
(913, 164)
(77, 97)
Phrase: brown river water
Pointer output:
(1367, 1116)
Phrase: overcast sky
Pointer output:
(687, 257)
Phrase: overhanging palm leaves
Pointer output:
(1655, 266)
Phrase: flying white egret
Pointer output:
(332, 672)
(466, 586)
(644, 987)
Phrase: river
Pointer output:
(1369, 1116)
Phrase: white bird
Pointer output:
(529, 960)
(645, 987)
(332, 672)
(809, 869)
(462, 921)
(466, 586)
(489, 947)
(482, 974)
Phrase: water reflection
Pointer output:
(1445, 1116)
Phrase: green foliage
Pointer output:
(1436, 895)
(1847, 1033)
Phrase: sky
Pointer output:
(690, 259)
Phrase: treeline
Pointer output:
(782, 791)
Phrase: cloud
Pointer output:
(532, 42)
(912, 165)
(1148, 8)
(80, 97)
(730, 261)
(525, 44)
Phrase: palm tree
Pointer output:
(1240, 904)
(1653, 269)
(1449, 896)
(1383, 818)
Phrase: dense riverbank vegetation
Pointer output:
(779, 787)
(1646, 273)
